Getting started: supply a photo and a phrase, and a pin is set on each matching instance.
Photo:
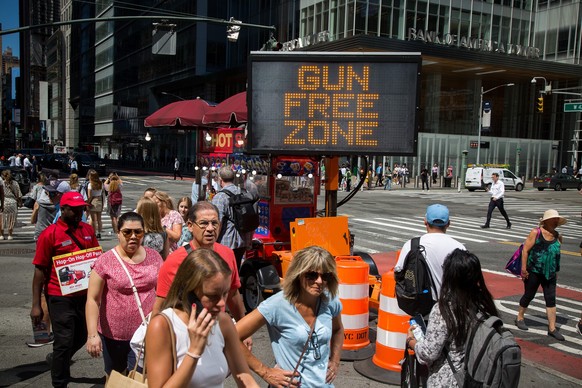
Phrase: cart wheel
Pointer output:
(252, 296)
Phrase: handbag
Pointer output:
(513, 266)
(28, 202)
(16, 197)
(412, 374)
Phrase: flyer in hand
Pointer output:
(73, 269)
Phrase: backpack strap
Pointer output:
(188, 248)
(414, 245)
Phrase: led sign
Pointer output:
(334, 103)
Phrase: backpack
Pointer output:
(414, 282)
(492, 357)
(115, 197)
(242, 211)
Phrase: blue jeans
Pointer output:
(388, 184)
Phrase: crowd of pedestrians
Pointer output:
(179, 271)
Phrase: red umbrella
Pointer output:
(233, 109)
(186, 113)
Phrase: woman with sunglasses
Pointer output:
(309, 300)
(206, 342)
(112, 312)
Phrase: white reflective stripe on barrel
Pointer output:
(390, 305)
(391, 339)
(354, 291)
(355, 322)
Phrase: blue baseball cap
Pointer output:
(437, 215)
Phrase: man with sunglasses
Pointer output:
(69, 234)
(204, 224)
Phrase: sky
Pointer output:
(9, 20)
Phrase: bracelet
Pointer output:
(194, 356)
(92, 336)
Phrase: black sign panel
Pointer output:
(333, 103)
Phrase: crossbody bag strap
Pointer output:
(76, 240)
(456, 373)
(172, 342)
(308, 339)
(133, 287)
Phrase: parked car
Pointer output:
(19, 175)
(88, 161)
(55, 162)
(557, 182)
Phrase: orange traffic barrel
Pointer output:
(354, 296)
(392, 329)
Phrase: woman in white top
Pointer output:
(95, 199)
(207, 345)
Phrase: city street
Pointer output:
(382, 221)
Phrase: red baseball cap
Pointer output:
(73, 199)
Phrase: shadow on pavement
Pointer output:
(22, 373)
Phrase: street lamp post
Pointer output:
(479, 124)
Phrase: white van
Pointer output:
(480, 178)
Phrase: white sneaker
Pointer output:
(10, 238)
(2, 237)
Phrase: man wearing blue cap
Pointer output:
(436, 243)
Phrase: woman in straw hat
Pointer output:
(540, 264)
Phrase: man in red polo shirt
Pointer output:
(204, 225)
(67, 312)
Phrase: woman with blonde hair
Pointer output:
(540, 264)
(95, 200)
(184, 204)
(207, 346)
(171, 220)
(113, 186)
(155, 237)
(304, 324)
(74, 182)
(12, 196)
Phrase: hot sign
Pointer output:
(333, 103)
(222, 140)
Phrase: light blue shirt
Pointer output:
(288, 332)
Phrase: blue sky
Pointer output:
(9, 20)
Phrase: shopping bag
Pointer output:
(513, 266)
(133, 380)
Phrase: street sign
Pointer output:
(573, 107)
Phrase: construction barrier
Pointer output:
(392, 329)
(354, 294)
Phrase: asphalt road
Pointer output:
(381, 221)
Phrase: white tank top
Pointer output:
(212, 367)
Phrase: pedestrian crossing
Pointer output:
(24, 230)
(384, 234)
(513, 204)
(568, 315)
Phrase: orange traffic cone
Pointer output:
(392, 329)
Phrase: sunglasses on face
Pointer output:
(127, 233)
(313, 275)
(205, 224)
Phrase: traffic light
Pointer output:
(540, 105)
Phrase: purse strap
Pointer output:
(306, 342)
(133, 287)
(172, 341)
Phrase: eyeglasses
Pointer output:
(127, 233)
(315, 345)
(313, 275)
(204, 224)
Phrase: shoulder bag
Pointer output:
(513, 266)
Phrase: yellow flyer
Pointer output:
(73, 269)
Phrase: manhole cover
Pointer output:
(16, 251)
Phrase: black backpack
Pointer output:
(242, 211)
(414, 282)
(492, 357)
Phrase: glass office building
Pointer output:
(469, 50)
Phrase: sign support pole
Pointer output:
(331, 185)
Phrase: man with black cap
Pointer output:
(69, 234)
(436, 243)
